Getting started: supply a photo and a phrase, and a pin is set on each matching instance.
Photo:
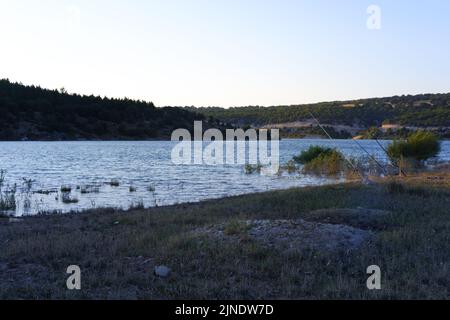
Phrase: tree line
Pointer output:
(425, 110)
(34, 113)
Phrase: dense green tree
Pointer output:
(419, 146)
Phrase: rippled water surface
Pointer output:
(144, 165)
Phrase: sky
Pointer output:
(228, 52)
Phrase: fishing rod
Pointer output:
(359, 145)
(389, 157)
(332, 139)
(371, 156)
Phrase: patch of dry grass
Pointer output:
(117, 251)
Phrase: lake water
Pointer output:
(147, 167)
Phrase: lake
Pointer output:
(146, 167)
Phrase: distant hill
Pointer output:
(33, 113)
(426, 110)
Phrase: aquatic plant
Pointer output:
(419, 146)
(45, 192)
(321, 160)
(8, 196)
(67, 199)
(28, 184)
(2, 178)
(27, 203)
(250, 168)
(8, 199)
(355, 166)
(312, 153)
(328, 163)
(66, 189)
(290, 167)
(114, 183)
(89, 189)
(138, 205)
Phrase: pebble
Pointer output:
(162, 271)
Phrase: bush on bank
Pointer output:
(320, 160)
(419, 146)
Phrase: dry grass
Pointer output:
(117, 251)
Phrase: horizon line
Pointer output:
(221, 107)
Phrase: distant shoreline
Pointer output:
(166, 140)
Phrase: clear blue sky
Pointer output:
(226, 52)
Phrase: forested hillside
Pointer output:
(427, 110)
(33, 113)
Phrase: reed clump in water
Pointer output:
(66, 189)
(114, 183)
(320, 160)
(8, 195)
(89, 189)
(326, 164)
(66, 198)
(290, 167)
(251, 169)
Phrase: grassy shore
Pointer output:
(117, 251)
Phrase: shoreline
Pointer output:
(436, 172)
(432, 176)
(244, 247)
(56, 213)
(168, 139)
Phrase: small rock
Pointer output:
(162, 271)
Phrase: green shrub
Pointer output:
(312, 153)
(419, 146)
(331, 163)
